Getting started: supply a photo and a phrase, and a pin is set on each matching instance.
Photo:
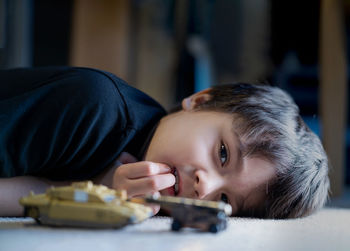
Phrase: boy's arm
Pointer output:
(12, 189)
(138, 178)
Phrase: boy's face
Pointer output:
(203, 149)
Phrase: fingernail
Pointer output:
(174, 179)
(156, 193)
(166, 169)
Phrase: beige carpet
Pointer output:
(329, 229)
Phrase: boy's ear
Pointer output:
(195, 99)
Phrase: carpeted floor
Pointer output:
(328, 229)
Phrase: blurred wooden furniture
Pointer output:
(124, 37)
(100, 35)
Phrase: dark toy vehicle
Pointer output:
(201, 214)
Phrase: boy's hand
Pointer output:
(143, 177)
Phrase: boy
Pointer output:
(242, 144)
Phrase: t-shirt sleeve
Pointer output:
(64, 123)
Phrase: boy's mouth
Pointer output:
(177, 183)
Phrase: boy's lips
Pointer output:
(175, 189)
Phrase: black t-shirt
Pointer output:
(69, 123)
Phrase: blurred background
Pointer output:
(171, 48)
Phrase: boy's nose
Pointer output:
(203, 184)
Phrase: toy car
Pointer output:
(201, 214)
(84, 204)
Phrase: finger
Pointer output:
(140, 199)
(126, 158)
(155, 208)
(150, 184)
(145, 169)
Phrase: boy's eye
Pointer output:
(223, 154)
(224, 198)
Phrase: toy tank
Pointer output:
(84, 204)
(201, 214)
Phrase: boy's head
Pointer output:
(245, 144)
